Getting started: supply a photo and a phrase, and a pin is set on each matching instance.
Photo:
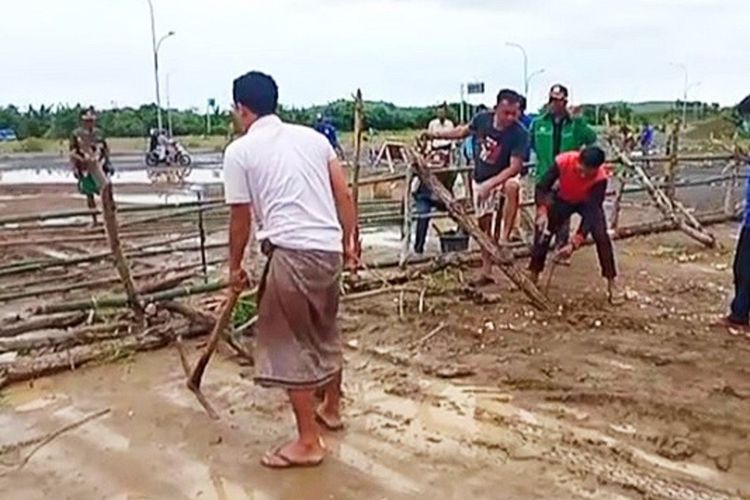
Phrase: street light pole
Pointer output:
(525, 66)
(684, 91)
(528, 82)
(155, 45)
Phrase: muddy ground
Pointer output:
(471, 395)
(646, 400)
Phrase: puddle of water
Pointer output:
(61, 176)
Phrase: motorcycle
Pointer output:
(175, 154)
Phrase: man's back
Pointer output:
(282, 169)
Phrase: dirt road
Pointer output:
(642, 401)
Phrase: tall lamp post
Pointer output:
(155, 45)
(685, 88)
(528, 82)
(525, 66)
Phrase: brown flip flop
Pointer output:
(275, 459)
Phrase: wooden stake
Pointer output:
(110, 223)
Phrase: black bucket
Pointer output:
(454, 241)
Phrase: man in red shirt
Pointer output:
(581, 178)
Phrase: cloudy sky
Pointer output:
(404, 51)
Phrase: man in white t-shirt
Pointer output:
(441, 124)
(290, 177)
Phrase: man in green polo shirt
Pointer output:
(557, 131)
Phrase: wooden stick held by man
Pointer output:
(291, 178)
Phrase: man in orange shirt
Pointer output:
(582, 180)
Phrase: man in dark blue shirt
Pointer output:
(501, 145)
(739, 315)
(325, 127)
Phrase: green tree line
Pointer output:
(58, 122)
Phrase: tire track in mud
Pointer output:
(481, 425)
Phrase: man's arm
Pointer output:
(75, 156)
(240, 221)
(515, 167)
(460, 132)
(588, 135)
(347, 212)
(239, 199)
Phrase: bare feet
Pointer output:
(294, 454)
(735, 328)
(329, 418)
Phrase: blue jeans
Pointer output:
(422, 206)
(741, 303)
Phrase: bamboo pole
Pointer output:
(121, 301)
(71, 239)
(29, 367)
(67, 214)
(109, 215)
(407, 225)
(673, 164)
(11, 329)
(501, 257)
(46, 264)
(68, 287)
(61, 338)
(359, 125)
(669, 207)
